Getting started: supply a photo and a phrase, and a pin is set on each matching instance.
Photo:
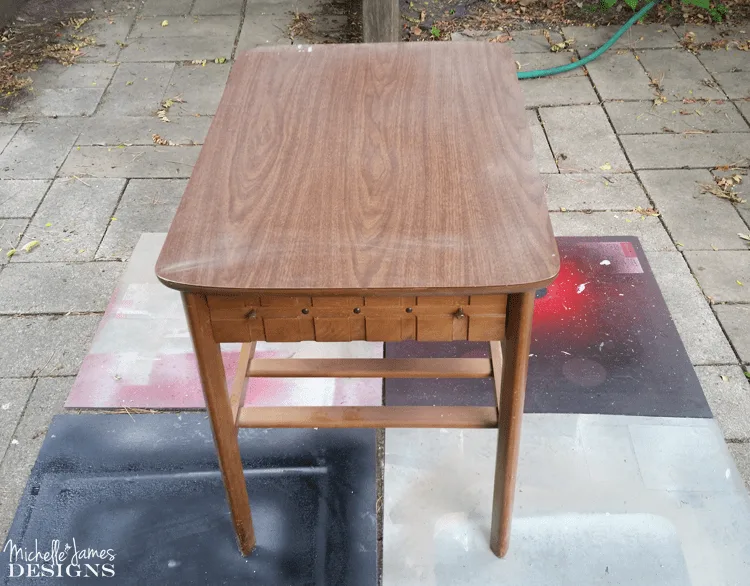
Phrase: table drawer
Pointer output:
(343, 319)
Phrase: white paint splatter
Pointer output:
(173, 563)
(605, 262)
(582, 287)
(5, 406)
(14, 442)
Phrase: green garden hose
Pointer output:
(569, 66)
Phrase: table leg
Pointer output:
(510, 389)
(213, 379)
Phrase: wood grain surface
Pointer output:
(375, 168)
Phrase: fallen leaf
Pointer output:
(739, 283)
(48, 224)
(162, 141)
(646, 211)
(725, 378)
(744, 236)
(220, 60)
(11, 252)
(422, 15)
(29, 246)
(606, 167)
(563, 209)
(679, 244)
(164, 22)
(415, 30)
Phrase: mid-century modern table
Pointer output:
(376, 192)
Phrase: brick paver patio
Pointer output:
(80, 173)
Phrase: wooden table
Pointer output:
(364, 192)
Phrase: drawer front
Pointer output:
(343, 319)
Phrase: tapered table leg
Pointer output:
(511, 389)
(213, 380)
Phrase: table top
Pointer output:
(380, 168)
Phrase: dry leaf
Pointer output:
(11, 252)
(29, 246)
(739, 283)
(725, 378)
(162, 141)
(646, 211)
(164, 23)
(606, 167)
(744, 236)
(415, 30)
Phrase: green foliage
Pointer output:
(717, 12)
(435, 32)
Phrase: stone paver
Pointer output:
(11, 232)
(594, 191)
(38, 150)
(204, 7)
(532, 41)
(265, 24)
(148, 205)
(699, 331)
(544, 159)
(547, 91)
(532, 61)
(736, 84)
(31, 288)
(82, 75)
(44, 345)
(199, 86)
(20, 198)
(648, 229)
(744, 108)
(741, 454)
(728, 394)
(71, 221)
(137, 89)
(165, 7)
(724, 61)
(217, 27)
(582, 140)
(708, 33)
(650, 36)
(697, 220)
(724, 276)
(619, 76)
(140, 130)
(647, 118)
(674, 151)
(14, 393)
(61, 102)
(735, 319)
(135, 162)
(46, 400)
(109, 32)
(680, 74)
(170, 49)
(7, 132)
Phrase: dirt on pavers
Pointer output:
(24, 47)
(437, 19)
